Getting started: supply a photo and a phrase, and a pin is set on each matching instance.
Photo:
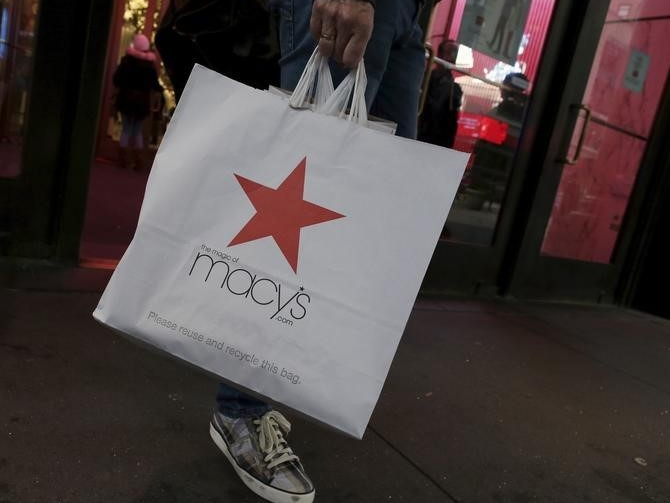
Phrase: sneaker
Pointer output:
(258, 451)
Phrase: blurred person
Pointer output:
(157, 118)
(493, 153)
(514, 98)
(235, 38)
(136, 80)
(513, 24)
(499, 34)
(439, 120)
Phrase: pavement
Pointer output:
(486, 401)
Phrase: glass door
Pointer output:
(595, 177)
(488, 60)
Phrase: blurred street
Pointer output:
(494, 401)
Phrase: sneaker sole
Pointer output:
(266, 492)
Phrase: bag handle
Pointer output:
(352, 89)
(316, 83)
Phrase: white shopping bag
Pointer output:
(282, 249)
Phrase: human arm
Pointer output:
(343, 28)
(156, 85)
(119, 75)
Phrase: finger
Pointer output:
(316, 20)
(324, 16)
(345, 29)
(354, 50)
(355, 25)
(341, 42)
(327, 37)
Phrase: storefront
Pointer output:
(560, 198)
(562, 203)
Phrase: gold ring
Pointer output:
(328, 36)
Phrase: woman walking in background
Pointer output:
(136, 79)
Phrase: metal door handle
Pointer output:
(582, 136)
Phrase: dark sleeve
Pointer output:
(458, 96)
(120, 74)
(117, 76)
(155, 84)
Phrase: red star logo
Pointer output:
(281, 213)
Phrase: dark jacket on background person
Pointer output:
(439, 121)
(136, 78)
(237, 38)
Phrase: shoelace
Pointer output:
(271, 438)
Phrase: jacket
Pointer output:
(136, 78)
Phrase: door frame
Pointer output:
(487, 270)
(47, 200)
(652, 211)
(646, 271)
(535, 276)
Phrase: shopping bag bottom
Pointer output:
(161, 352)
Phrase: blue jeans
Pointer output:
(131, 132)
(394, 58)
(394, 63)
(234, 403)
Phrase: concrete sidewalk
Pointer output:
(485, 402)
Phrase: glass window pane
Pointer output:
(593, 196)
(18, 19)
(627, 79)
(495, 74)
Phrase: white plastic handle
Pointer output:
(331, 101)
(316, 83)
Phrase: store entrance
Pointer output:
(118, 175)
(596, 172)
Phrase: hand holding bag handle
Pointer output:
(316, 83)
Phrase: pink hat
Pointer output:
(140, 42)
